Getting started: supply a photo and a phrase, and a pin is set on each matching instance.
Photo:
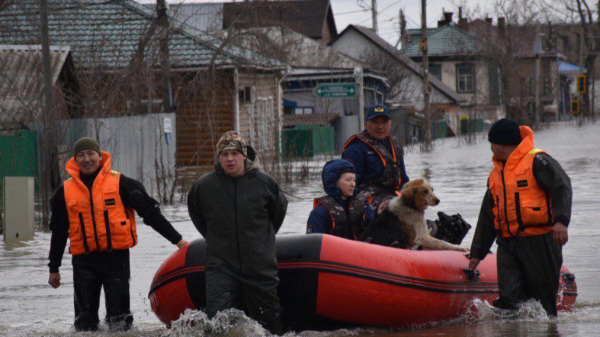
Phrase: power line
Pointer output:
(379, 12)
(351, 12)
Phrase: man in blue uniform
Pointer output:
(378, 162)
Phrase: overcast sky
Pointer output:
(388, 17)
(358, 12)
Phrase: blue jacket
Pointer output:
(368, 164)
(320, 220)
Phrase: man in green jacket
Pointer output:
(238, 209)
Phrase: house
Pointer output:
(313, 64)
(459, 59)
(523, 48)
(405, 75)
(306, 106)
(311, 18)
(115, 46)
(567, 40)
(22, 84)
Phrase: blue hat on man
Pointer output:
(377, 110)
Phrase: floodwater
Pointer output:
(458, 172)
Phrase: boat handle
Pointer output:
(472, 275)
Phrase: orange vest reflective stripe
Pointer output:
(382, 152)
(522, 207)
(100, 221)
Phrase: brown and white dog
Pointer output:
(403, 223)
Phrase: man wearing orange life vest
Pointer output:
(527, 206)
(94, 209)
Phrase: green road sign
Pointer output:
(340, 90)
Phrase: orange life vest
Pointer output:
(522, 207)
(391, 176)
(98, 221)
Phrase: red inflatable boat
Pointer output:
(329, 283)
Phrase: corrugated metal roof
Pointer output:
(22, 80)
(446, 41)
(107, 34)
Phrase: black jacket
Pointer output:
(239, 217)
(145, 206)
(552, 178)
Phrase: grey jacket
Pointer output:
(239, 217)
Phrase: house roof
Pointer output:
(295, 49)
(22, 80)
(206, 17)
(107, 34)
(565, 68)
(407, 62)
(307, 17)
(447, 40)
(319, 74)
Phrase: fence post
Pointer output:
(18, 208)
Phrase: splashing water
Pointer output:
(227, 323)
(529, 311)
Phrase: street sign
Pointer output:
(339, 90)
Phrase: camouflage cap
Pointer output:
(231, 140)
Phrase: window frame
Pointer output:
(460, 78)
(436, 66)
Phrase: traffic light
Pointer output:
(574, 106)
(581, 84)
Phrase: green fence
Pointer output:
(18, 155)
(308, 141)
(470, 125)
(440, 129)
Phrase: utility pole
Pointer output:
(360, 89)
(537, 49)
(427, 146)
(593, 105)
(581, 100)
(401, 37)
(374, 15)
(47, 171)
(165, 68)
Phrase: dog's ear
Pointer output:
(408, 196)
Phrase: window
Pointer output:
(547, 86)
(265, 121)
(435, 70)
(465, 78)
(304, 110)
(566, 43)
(494, 85)
(251, 125)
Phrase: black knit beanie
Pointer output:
(86, 143)
(505, 132)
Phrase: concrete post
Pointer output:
(18, 209)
